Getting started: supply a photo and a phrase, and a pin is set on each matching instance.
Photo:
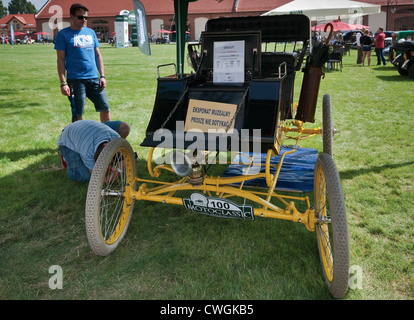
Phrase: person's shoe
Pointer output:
(62, 161)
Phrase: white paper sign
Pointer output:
(228, 62)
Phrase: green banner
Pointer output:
(142, 30)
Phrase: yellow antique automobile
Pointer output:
(234, 110)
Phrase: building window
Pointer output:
(404, 23)
(100, 22)
(102, 32)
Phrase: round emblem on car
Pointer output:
(199, 199)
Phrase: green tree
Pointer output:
(3, 10)
(31, 8)
(21, 6)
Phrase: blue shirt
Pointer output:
(79, 47)
(84, 137)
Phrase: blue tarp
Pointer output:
(296, 173)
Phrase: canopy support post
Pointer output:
(181, 10)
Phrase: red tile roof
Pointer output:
(105, 8)
(4, 20)
(262, 5)
(28, 20)
(384, 2)
(102, 8)
(211, 6)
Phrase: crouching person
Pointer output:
(81, 141)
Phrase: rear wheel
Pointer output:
(411, 69)
(109, 202)
(401, 71)
(331, 228)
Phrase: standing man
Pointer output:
(359, 45)
(78, 54)
(379, 46)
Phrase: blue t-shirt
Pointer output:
(79, 47)
(84, 137)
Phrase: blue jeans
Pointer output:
(88, 88)
(380, 56)
(76, 168)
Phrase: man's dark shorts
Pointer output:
(88, 88)
(114, 124)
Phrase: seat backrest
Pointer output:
(336, 55)
(223, 51)
(280, 29)
(273, 28)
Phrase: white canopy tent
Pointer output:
(326, 9)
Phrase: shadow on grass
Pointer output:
(17, 155)
(39, 187)
(395, 78)
(15, 105)
(387, 67)
(9, 92)
(350, 174)
(40, 225)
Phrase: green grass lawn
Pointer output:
(170, 253)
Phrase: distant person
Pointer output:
(379, 46)
(318, 37)
(366, 43)
(339, 37)
(78, 53)
(394, 38)
(81, 142)
(359, 45)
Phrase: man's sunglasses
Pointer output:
(82, 17)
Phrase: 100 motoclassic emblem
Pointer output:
(218, 207)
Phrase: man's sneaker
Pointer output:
(62, 161)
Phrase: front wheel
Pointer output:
(109, 202)
(331, 227)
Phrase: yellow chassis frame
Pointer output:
(302, 133)
(297, 127)
(165, 192)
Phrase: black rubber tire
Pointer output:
(332, 227)
(327, 133)
(411, 70)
